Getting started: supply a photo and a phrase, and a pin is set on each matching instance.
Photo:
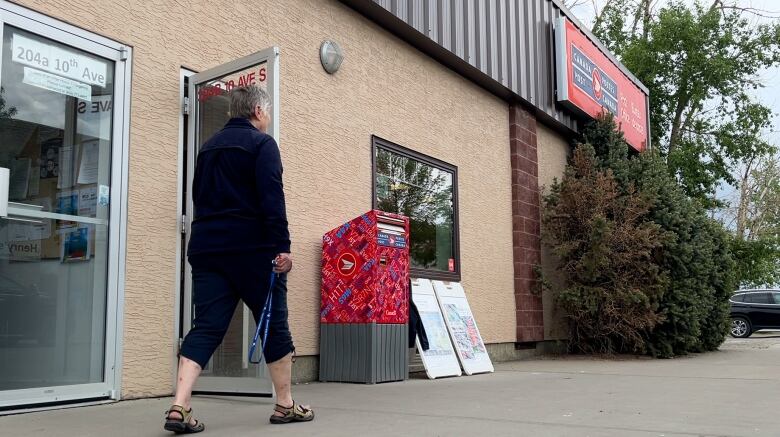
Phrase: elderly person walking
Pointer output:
(239, 236)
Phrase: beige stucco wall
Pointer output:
(553, 151)
(384, 87)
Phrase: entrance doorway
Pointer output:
(206, 112)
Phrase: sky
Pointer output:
(769, 95)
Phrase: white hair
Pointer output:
(244, 100)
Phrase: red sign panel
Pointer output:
(591, 83)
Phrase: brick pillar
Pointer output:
(526, 223)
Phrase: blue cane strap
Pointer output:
(265, 319)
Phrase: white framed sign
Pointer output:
(55, 59)
(462, 327)
(440, 359)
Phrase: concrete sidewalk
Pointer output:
(732, 392)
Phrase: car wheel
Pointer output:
(740, 327)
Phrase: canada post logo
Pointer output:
(347, 264)
(593, 81)
(385, 239)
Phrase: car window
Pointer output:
(777, 297)
(738, 298)
(758, 298)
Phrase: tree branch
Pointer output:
(600, 15)
(764, 13)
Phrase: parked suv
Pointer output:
(753, 310)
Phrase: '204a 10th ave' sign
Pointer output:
(591, 83)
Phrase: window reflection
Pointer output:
(424, 193)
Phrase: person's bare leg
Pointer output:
(281, 376)
(188, 373)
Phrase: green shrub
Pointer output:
(686, 268)
(605, 246)
(697, 260)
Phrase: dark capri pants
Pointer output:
(219, 281)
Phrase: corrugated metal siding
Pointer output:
(511, 41)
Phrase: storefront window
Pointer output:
(425, 190)
(56, 130)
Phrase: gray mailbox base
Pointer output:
(363, 352)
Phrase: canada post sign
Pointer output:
(591, 83)
(589, 78)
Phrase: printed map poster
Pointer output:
(462, 327)
(75, 244)
(440, 359)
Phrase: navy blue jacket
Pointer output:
(238, 193)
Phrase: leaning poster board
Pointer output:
(462, 327)
(440, 359)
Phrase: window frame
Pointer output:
(415, 272)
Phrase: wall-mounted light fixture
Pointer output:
(331, 56)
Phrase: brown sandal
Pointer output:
(296, 413)
(183, 425)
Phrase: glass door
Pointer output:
(61, 123)
(229, 370)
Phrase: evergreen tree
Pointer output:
(685, 271)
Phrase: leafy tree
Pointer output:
(5, 112)
(758, 262)
(700, 64)
(755, 221)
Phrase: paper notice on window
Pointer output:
(24, 231)
(88, 202)
(65, 178)
(75, 244)
(67, 203)
(103, 195)
(88, 169)
(35, 229)
(20, 178)
(57, 84)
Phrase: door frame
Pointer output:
(121, 55)
(184, 74)
(183, 307)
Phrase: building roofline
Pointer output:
(399, 28)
